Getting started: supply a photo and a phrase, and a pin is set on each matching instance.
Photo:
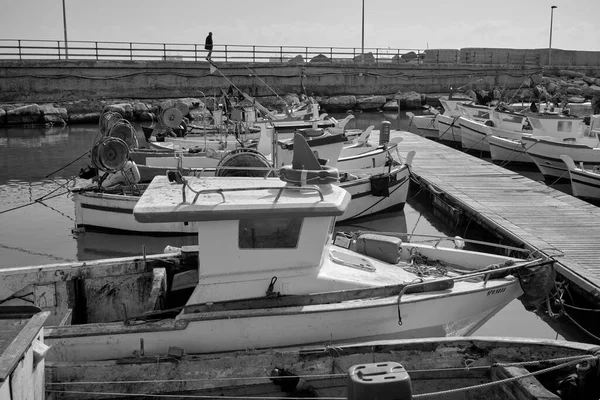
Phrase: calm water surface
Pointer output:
(34, 233)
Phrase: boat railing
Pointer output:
(222, 191)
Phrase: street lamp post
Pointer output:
(65, 27)
(362, 49)
(550, 45)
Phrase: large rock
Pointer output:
(81, 118)
(320, 59)
(535, 79)
(588, 80)
(597, 81)
(339, 103)
(397, 59)
(552, 87)
(2, 116)
(297, 60)
(370, 103)
(571, 74)
(576, 99)
(366, 58)
(574, 90)
(146, 116)
(391, 105)
(591, 90)
(52, 114)
(408, 100)
(139, 108)
(125, 109)
(29, 114)
(83, 106)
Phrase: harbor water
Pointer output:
(37, 214)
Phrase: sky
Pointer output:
(397, 24)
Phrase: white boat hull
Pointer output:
(508, 151)
(474, 135)
(115, 212)
(585, 184)
(449, 129)
(546, 152)
(454, 312)
(427, 125)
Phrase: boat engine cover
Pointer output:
(382, 381)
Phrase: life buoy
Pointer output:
(301, 177)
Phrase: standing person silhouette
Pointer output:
(208, 45)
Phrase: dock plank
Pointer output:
(541, 217)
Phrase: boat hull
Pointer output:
(508, 151)
(448, 129)
(372, 193)
(427, 125)
(546, 152)
(474, 135)
(459, 311)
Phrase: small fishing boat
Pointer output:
(546, 151)
(378, 181)
(268, 272)
(432, 125)
(447, 367)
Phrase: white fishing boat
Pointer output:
(473, 128)
(372, 190)
(506, 147)
(546, 151)
(585, 182)
(433, 126)
(267, 274)
(447, 367)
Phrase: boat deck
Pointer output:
(517, 207)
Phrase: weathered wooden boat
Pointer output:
(22, 353)
(474, 368)
(267, 274)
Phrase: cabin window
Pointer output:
(269, 233)
(564, 126)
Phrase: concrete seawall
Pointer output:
(59, 81)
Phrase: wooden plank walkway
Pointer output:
(516, 206)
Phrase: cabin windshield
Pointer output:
(269, 233)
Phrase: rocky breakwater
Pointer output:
(146, 110)
(564, 86)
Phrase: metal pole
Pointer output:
(65, 27)
(362, 49)
(550, 45)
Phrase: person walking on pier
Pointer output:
(208, 45)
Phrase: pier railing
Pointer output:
(17, 49)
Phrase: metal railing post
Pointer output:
(306, 53)
(164, 51)
(253, 54)
(225, 53)
(131, 51)
(97, 58)
(377, 55)
(196, 52)
(57, 48)
(331, 54)
(281, 53)
(21, 56)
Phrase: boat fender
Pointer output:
(489, 123)
(302, 177)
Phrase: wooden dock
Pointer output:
(517, 207)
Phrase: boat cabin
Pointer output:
(277, 229)
(560, 126)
